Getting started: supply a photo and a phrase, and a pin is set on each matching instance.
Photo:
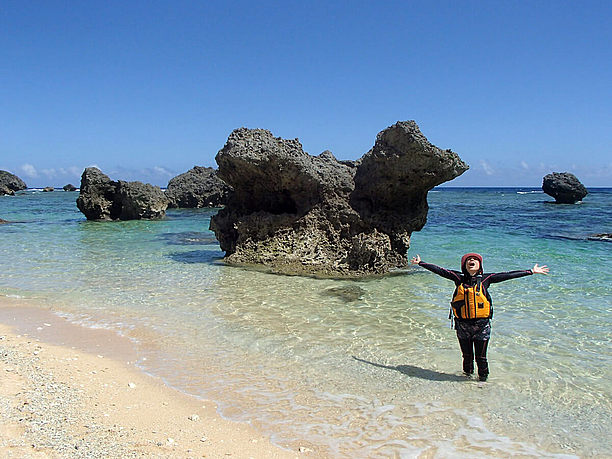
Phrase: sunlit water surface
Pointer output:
(365, 368)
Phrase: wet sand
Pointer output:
(70, 391)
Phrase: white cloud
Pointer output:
(29, 170)
(161, 171)
(75, 170)
(50, 173)
(486, 167)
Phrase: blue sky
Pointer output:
(145, 90)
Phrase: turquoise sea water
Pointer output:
(365, 368)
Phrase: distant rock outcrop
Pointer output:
(301, 214)
(101, 198)
(69, 187)
(48, 189)
(600, 237)
(2, 221)
(9, 183)
(198, 187)
(564, 187)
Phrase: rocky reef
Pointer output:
(564, 187)
(10, 183)
(315, 215)
(607, 237)
(100, 198)
(198, 187)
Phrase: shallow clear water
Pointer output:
(367, 368)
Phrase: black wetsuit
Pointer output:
(474, 334)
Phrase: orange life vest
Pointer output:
(471, 302)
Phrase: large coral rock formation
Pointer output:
(301, 214)
(198, 187)
(9, 183)
(100, 198)
(564, 187)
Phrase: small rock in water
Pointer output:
(347, 293)
(600, 237)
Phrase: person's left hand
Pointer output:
(540, 269)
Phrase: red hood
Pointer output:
(468, 255)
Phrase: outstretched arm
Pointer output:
(500, 277)
(540, 269)
(446, 273)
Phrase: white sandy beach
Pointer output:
(68, 391)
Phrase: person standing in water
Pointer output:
(472, 307)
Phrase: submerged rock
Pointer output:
(198, 187)
(10, 183)
(302, 214)
(600, 237)
(346, 293)
(564, 187)
(101, 198)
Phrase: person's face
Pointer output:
(472, 265)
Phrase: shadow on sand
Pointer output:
(416, 372)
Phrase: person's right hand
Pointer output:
(416, 260)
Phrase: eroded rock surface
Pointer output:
(564, 187)
(302, 214)
(198, 187)
(10, 183)
(100, 198)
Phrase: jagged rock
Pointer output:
(9, 183)
(198, 187)
(48, 189)
(100, 198)
(69, 187)
(301, 214)
(6, 191)
(564, 187)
